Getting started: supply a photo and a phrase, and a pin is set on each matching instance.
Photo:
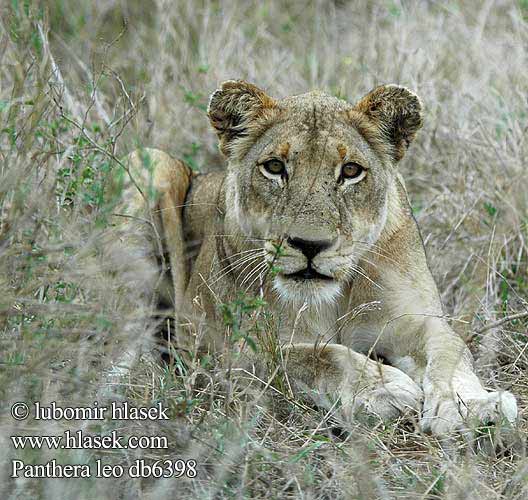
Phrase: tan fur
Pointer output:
(342, 150)
(379, 297)
(284, 149)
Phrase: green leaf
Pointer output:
(490, 209)
(306, 451)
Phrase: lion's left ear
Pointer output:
(395, 113)
(234, 111)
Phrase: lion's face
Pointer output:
(310, 180)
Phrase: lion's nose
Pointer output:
(310, 248)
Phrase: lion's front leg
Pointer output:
(364, 386)
(454, 396)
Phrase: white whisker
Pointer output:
(361, 272)
(249, 274)
(260, 275)
(232, 267)
(240, 253)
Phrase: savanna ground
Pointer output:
(84, 82)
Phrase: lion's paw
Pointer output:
(394, 395)
(481, 416)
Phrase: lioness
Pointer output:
(312, 215)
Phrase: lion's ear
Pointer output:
(234, 108)
(396, 114)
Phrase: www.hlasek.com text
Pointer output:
(79, 440)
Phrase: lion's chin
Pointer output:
(314, 290)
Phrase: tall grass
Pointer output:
(82, 83)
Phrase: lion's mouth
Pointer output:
(309, 273)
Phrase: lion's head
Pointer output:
(312, 177)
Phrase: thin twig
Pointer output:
(497, 323)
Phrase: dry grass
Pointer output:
(81, 83)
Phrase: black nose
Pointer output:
(310, 248)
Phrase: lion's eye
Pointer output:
(274, 167)
(352, 171)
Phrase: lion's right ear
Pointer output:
(235, 109)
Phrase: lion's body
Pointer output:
(339, 262)
(206, 224)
